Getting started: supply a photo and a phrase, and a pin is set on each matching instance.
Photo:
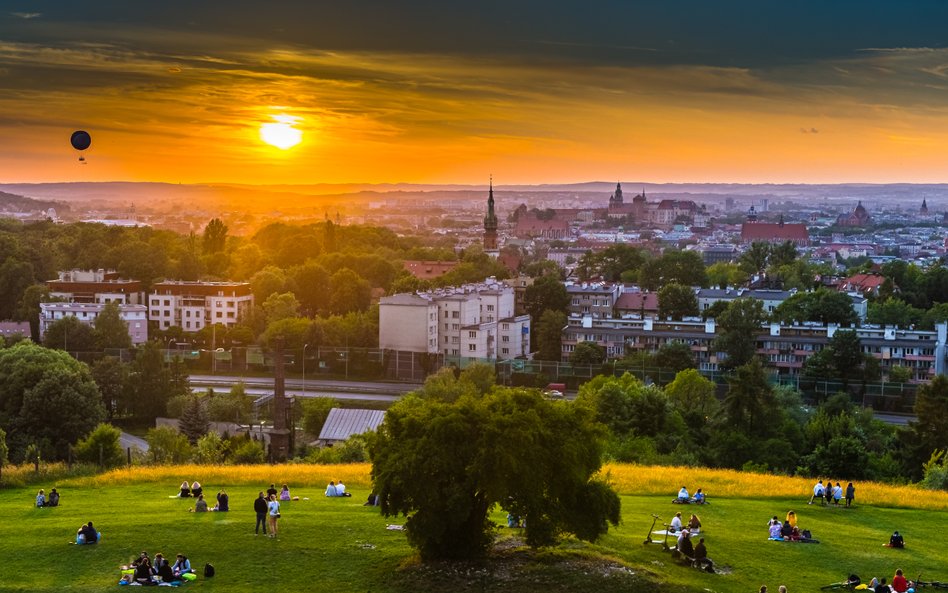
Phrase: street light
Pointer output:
(305, 346)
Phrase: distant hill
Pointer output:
(16, 203)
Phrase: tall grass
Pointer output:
(18, 476)
(726, 483)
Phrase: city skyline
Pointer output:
(532, 92)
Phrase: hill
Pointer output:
(16, 203)
(341, 545)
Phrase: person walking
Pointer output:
(273, 513)
(850, 494)
(260, 507)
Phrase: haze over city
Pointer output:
(534, 92)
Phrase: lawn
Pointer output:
(339, 545)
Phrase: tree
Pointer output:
(694, 396)
(612, 262)
(71, 335)
(111, 375)
(681, 267)
(151, 382)
(312, 287)
(111, 331)
(549, 337)
(725, 274)
(715, 310)
(28, 308)
(675, 357)
(4, 451)
(233, 406)
(546, 293)
(823, 305)
(315, 412)
(899, 374)
(931, 410)
(350, 293)
(740, 324)
(210, 449)
(783, 254)
(45, 393)
(587, 353)
(512, 447)
(894, 311)
(281, 306)
(215, 236)
(754, 260)
(101, 447)
(194, 422)
(677, 301)
(267, 281)
(749, 406)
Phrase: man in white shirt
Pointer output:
(818, 492)
(340, 488)
(683, 495)
(675, 526)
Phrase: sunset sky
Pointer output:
(449, 92)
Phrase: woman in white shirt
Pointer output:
(273, 513)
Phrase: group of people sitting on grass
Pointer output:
(788, 531)
(830, 494)
(685, 498)
(191, 490)
(337, 489)
(676, 525)
(694, 554)
(223, 503)
(43, 501)
(147, 572)
(87, 534)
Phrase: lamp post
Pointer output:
(305, 346)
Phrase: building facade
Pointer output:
(136, 316)
(474, 320)
(195, 305)
(96, 286)
(597, 299)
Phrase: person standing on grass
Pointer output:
(260, 507)
(850, 494)
(273, 513)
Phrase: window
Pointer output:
(505, 351)
(490, 307)
(187, 324)
(455, 326)
(167, 303)
(220, 314)
(472, 334)
(455, 352)
(167, 313)
(505, 326)
(187, 313)
(455, 314)
(155, 303)
(230, 314)
(472, 347)
(505, 338)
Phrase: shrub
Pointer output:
(248, 453)
(210, 449)
(101, 447)
(936, 471)
(167, 445)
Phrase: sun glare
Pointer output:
(281, 133)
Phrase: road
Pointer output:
(129, 440)
(350, 390)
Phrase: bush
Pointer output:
(210, 450)
(315, 412)
(249, 453)
(167, 445)
(101, 447)
(936, 471)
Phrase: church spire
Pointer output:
(490, 221)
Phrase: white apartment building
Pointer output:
(136, 316)
(195, 305)
(96, 286)
(474, 320)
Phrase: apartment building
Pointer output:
(597, 299)
(771, 299)
(474, 320)
(136, 316)
(784, 348)
(96, 286)
(195, 305)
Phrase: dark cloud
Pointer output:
(27, 15)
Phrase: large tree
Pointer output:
(349, 293)
(677, 301)
(823, 305)
(739, 325)
(546, 293)
(537, 459)
(215, 236)
(71, 335)
(549, 336)
(111, 331)
(587, 353)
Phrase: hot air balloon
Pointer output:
(81, 140)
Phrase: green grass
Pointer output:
(338, 545)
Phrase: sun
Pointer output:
(281, 133)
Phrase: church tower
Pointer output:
(923, 211)
(490, 222)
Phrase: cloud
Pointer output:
(27, 15)
(809, 131)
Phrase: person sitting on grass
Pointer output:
(896, 541)
(196, 489)
(775, 530)
(675, 525)
(143, 573)
(285, 493)
(694, 524)
(701, 557)
(185, 490)
(53, 498)
(163, 569)
(683, 495)
(817, 492)
(181, 566)
(899, 583)
(200, 506)
(837, 494)
(699, 497)
(331, 489)
(792, 519)
(223, 502)
(87, 534)
(341, 489)
(685, 547)
(41, 498)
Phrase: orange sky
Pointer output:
(182, 111)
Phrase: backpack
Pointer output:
(208, 570)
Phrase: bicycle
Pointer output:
(933, 584)
(849, 583)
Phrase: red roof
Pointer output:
(774, 231)
(426, 270)
(863, 282)
(634, 302)
(529, 225)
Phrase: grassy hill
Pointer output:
(339, 545)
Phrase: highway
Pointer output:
(343, 390)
